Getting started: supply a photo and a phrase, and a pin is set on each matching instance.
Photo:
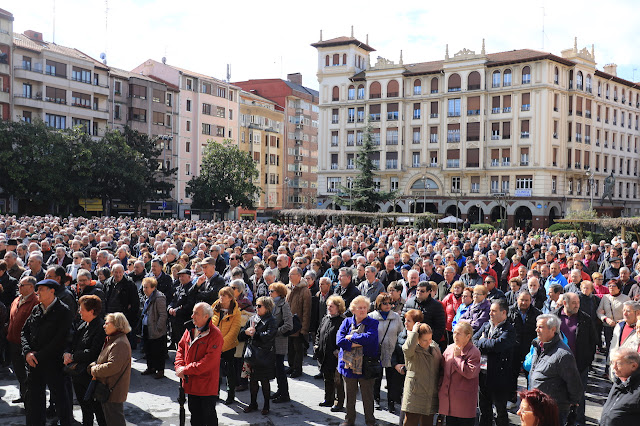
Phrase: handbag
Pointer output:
(74, 369)
(99, 391)
(297, 326)
(251, 353)
(371, 367)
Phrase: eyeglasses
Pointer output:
(258, 306)
(612, 286)
(478, 294)
(488, 282)
(385, 303)
(421, 291)
(272, 291)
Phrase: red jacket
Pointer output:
(201, 361)
(18, 316)
(451, 305)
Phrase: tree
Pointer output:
(225, 180)
(363, 195)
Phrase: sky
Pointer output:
(268, 39)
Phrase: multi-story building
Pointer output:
(6, 63)
(300, 105)
(524, 129)
(60, 85)
(261, 134)
(147, 105)
(207, 112)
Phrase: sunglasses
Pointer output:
(385, 303)
(272, 291)
(258, 306)
(488, 282)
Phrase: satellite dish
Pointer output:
(164, 60)
(103, 56)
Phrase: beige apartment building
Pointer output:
(60, 85)
(6, 46)
(524, 130)
(262, 135)
(207, 111)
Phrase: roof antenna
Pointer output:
(352, 31)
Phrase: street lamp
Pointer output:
(350, 185)
(424, 186)
(457, 195)
(590, 173)
(165, 139)
(286, 191)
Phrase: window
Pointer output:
(56, 121)
(526, 75)
(473, 131)
(374, 112)
(453, 158)
(392, 111)
(26, 116)
(327, 61)
(556, 76)
(158, 118)
(334, 138)
(506, 103)
(434, 110)
(187, 146)
(189, 84)
(526, 102)
(138, 114)
(416, 111)
(220, 112)
(26, 63)
(84, 124)
(506, 78)
(335, 93)
(417, 87)
(137, 91)
(351, 115)
(453, 132)
(392, 160)
(117, 114)
(187, 169)
(524, 129)
(351, 162)
(416, 135)
(454, 83)
(334, 116)
(375, 91)
(394, 183)
(360, 114)
(495, 79)
(473, 105)
(495, 184)
(433, 158)
(392, 136)
(58, 96)
(188, 126)
(361, 92)
(188, 105)
(80, 74)
(415, 159)
(206, 129)
(434, 85)
(455, 184)
(222, 92)
(220, 131)
(351, 93)
(56, 69)
(524, 156)
(392, 89)
(505, 184)
(26, 90)
(206, 109)
(473, 157)
(433, 134)
(554, 184)
(453, 108)
(475, 184)
(579, 85)
(333, 184)
(473, 81)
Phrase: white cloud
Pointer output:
(269, 39)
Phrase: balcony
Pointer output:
(526, 107)
(334, 119)
(351, 166)
(453, 164)
(453, 114)
(506, 109)
(415, 165)
(495, 110)
(433, 164)
(495, 162)
(433, 115)
(453, 138)
(374, 117)
(392, 164)
(392, 115)
(35, 102)
(417, 90)
(495, 137)
(475, 189)
(526, 79)
(473, 112)
(433, 138)
(334, 166)
(506, 163)
(392, 141)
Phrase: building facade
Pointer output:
(300, 156)
(148, 106)
(524, 133)
(261, 135)
(207, 111)
(6, 63)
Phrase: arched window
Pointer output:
(579, 80)
(417, 86)
(506, 78)
(336, 59)
(615, 93)
(624, 99)
(335, 94)
(360, 91)
(344, 59)
(434, 85)
(392, 89)
(495, 79)
(588, 82)
(351, 94)
(570, 79)
(526, 75)
(599, 89)
(326, 61)
(606, 91)
(454, 83)
(556, 76)
(473, 82)
(375, 91)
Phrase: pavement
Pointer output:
(154, 402)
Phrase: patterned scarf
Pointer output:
(353, 358)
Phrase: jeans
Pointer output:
(366, 389)
(203, 410)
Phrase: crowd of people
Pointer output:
(451, 320)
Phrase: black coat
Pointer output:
(123, 297)
(264, 339)
(622, 407)
(498, 348)
(47, 334)
(165, 286)
(95, 291)
(386, 277)
(183, 302)
(585, 340)
(326, 342)
(433, 313)
(318, 309)
(87, 344)
(208, 291)
(525, 331)
(348, 294)
(9, 289)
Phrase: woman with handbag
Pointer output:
(389, 327)
(226, 316)
(246, 312)
(112, 370)
(358, 360)
(260, 333)
(284, 322)
(86, 346)
(326, 351)
(422, 361)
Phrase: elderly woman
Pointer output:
(284, 322)
(113, 367)
(226, 316)
(389, 327)
(357, 338)
(86, 346)
(458, 395)
(451, 303)
(154, 328)
(610, 311)
(260, 334)
(246, 311)
(326, 351)
(260, 286)
(395, 289)
(422, 360)
(478, 312)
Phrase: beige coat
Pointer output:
(420, 394)
(114, 361)
(299, 299)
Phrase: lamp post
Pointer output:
(424, 200)
(457, 195)
(165, 139)
(590, 173)
(350, 185)
(286, 191)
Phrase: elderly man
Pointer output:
(552, 303)
(35, 267)
(333, 272)
(347, 288)
(207, 286)
(121, 295)
(181, 306)
(86, 287)
(623, 404)
(197, 365)
(624, 332)
(431, 309)
(389, 274)
(282, 263)
(43, 338)
(577, 326)
(444, 286)
(138, 274)
(13, 269)
(428, 273)
(21, 308)
(60, 257)
(165, 283)
(371, 287)
(555, 277)
(8, 285)
(299, 299)
(553, 368)
(496, 340)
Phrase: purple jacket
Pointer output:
(477, 315)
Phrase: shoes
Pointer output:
(264, 411)
(51, 411)
(159, 375)
(249, 408)
(346, 424)
(295, 374)
(241, 388)
(326, 404)
(148, 372)
(377, 404)
(337, 408)
(230, 399)
(281, 398)
(319, 376)
(17, 401)
(392, 407)
(511, 405)
(275, 395)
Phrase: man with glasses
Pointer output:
(299, 299)
(494, 293)
(371, 287)
(432, 310)
(623, 403)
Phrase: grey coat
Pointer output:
(392, 326)
(157, 311)
(284, 322)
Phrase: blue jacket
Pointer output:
(368, 340)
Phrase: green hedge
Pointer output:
(483, 227)
(559, 226)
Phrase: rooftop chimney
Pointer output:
(33, 35)
(295, 78)
(611, 69)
